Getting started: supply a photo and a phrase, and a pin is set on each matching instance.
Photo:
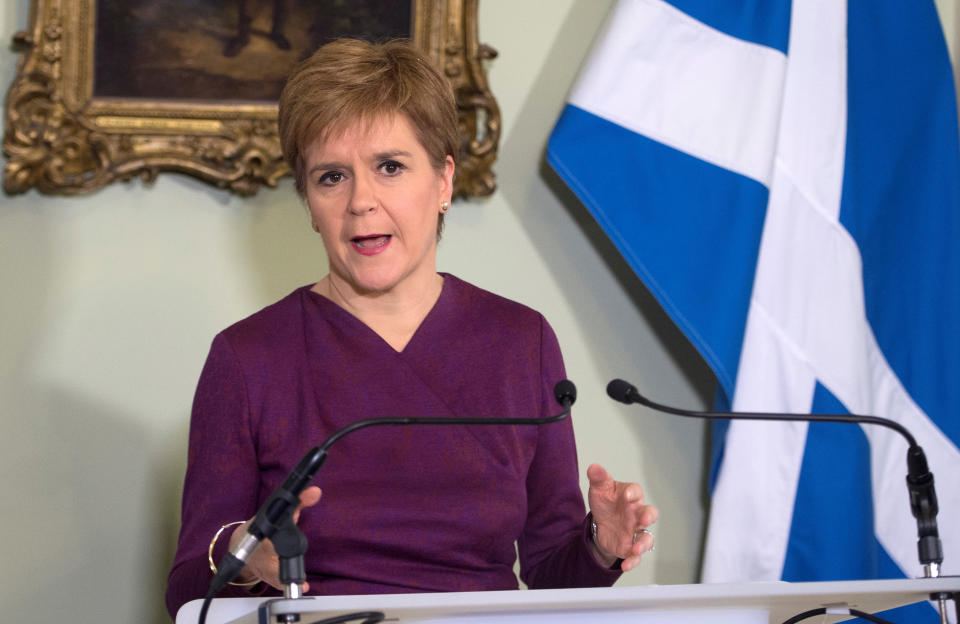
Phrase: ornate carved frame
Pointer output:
(59, 139)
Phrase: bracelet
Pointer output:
(213, 542)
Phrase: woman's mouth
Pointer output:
(370, 245)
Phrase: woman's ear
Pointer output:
(446, 179)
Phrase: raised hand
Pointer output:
(622, 519)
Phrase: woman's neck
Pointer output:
(394, 315)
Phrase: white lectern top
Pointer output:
(720, 603)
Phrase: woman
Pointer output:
(370, 132)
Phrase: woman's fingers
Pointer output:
(622, 517)
(308, 498)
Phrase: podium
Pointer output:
(719, 603)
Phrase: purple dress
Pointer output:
(404, 509)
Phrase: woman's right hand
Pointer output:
(263, 564)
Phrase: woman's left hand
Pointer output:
(621, 519)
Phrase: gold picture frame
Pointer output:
(61, 138)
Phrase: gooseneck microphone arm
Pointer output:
(278, 509)
(625, 392)
(923, 496)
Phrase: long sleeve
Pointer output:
(554, 548)
(221, 483)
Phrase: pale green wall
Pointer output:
(108, 303)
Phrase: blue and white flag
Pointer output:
(785, 178)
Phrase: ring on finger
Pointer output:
(638, 533)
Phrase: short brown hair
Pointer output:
(349, 80)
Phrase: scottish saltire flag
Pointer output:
(785, 178)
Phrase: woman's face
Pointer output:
(375, 198)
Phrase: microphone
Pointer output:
(278, 509)
(624, 392)
(565, 393)
(923, 496)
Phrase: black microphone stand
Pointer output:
(923, 495)
(291, 545)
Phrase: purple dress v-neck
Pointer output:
(404, 509)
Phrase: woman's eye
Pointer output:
(331, 178)
(391, 167)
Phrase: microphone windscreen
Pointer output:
(565, 392)
(620, 390)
